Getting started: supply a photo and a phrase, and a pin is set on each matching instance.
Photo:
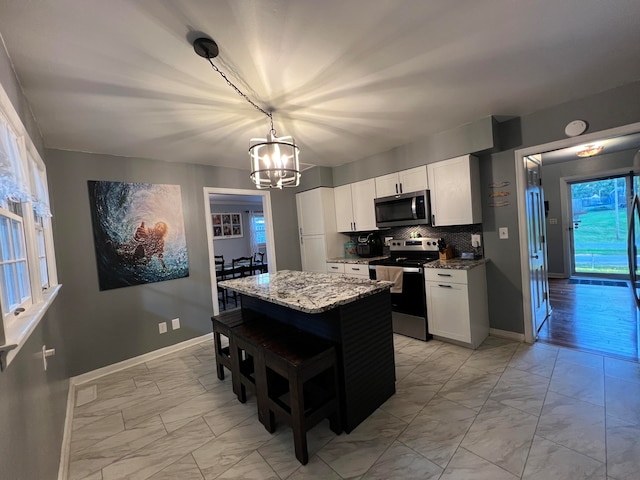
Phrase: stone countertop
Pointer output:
(456, 263)
(306, 291)
(358, 260)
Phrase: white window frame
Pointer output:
(17, 326)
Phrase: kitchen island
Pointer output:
(353, 313)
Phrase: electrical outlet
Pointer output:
(175, 323)
(162, 327)
(475, 241)
(504, 233)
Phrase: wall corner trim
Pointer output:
(495, 332)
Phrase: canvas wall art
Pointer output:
(138, 231)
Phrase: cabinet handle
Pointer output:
(445, 286)
(301, 240)
(356, 269)
(396, 188)
(300, 231)
(444, 274)
(433, 219)
(400, 188)
(335, 268)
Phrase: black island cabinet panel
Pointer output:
(363, 333)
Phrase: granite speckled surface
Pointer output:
(456, 263)
(358, 260)
(306, 291)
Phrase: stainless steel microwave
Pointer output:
(412, 208)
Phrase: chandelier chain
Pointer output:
(239, 92)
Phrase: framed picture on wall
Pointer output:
(226, 225)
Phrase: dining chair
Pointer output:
(242, 267)
(220, 275)
(258, 262)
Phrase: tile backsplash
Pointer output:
(458, 236)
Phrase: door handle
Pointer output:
(534, 256)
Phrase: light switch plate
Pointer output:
(475, 241)
(175, 323)
(504, 233)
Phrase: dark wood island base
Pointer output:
(362, 333)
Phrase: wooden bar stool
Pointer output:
(247, 358)
(302, 386)
(222, 325)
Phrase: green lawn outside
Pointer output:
(601, 245)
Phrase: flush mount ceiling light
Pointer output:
(590, 150)
(274, 160)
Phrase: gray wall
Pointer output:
(613, 108)
(105, 327)
(551, 175)
(495, 144)
(32, 401)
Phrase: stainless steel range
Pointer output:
(404, 266)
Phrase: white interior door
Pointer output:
(536, 229)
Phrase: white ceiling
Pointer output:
(347, 78)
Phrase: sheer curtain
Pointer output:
(254, 235)
(14, 183)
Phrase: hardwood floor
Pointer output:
(592, 318)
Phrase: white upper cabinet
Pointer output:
(455, 191)
(355, 211)
(344, 208)
(411, 180)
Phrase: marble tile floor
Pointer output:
(505, 411)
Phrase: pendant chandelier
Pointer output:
(274, 160)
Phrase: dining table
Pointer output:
(228, 270)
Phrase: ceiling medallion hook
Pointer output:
(274, 161)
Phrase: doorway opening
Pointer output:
(529, 305)
(239, 226)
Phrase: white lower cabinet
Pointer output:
(356, 270)
(457, 304)
(335, 267)
(351, 269)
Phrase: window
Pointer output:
(14, 271)
(27, 266)
(258, 229)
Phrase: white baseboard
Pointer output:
(74, 382)
(65, 449)
(518, 337)
(116, 367)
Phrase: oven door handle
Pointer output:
(411, 269)
(404, 269)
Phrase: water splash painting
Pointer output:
(138, 231)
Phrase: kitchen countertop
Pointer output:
(306, 291)
(359, 260)
(456, 263)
